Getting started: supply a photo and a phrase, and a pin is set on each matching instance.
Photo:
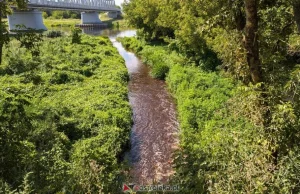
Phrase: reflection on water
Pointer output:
(155, 130)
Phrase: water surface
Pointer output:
(155, 129)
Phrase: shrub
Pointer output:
(63, 77)
(53, 34)
(132, 44)
(95, 164)
(45, 15)
(159, 71)
(157, 57)
(76, 37)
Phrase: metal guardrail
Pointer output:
(101, 5)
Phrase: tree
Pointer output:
(76, 37)
(251, 41)
(3, 32)
(145, 16)
(5, 9)
(296, 8)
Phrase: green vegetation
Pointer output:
(49, 23)
(64, 117)
(76, 37)
(118, 23)
(58, 14)
(53, 34)
(5, 9)
(233, 68)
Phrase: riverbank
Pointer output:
(154, 134)
(65, 116)
(212, 128)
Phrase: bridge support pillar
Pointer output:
(113, 15)
(29, 19)
(90, 18)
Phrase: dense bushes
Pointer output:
(65, 116)
(219, 144)
(248, 145)
(154, 56)
(224, 147)
(53, 34)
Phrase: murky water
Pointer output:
(155, 129)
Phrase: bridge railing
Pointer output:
(108, 5)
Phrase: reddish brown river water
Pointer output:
(155, 131)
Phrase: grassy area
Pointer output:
(61, 22)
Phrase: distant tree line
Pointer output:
(59, 14)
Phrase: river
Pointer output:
(154, 134)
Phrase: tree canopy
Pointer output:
(235, 138)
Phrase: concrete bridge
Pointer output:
(32, 18)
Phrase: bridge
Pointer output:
(32, 18)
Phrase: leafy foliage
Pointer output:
(29, 39)
(64, 116)
(76, 38)
(155, 56)
(53, 34)
(224, 146)
(6, 9)
(60, 14)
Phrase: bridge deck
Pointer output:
(83, 5)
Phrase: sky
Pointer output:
(118, 2)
